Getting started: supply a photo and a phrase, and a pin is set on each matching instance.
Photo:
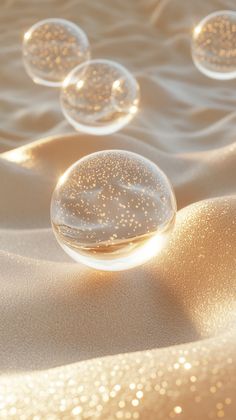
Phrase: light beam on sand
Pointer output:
(22, 156)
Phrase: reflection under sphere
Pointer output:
(52, 48)
(99, 97)
(112, 210)
(214, 45)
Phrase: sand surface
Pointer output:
(57, 314)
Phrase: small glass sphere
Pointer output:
(52, 48)
(113, 210)
(99, 97)
(214, 45)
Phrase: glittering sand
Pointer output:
(156, 342)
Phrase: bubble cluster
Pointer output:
(214, 45)
(112, 210)
(52, 48)
(99, 97)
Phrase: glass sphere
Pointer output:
(99, 97)
(214, 45)
(52, 48)
(112, 210)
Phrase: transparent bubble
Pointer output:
(99, 97)
(52, 48)
(113, 210)
(214, 45)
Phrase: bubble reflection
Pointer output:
(99, 97)
(112, 210)
(52, 48)
(214, 45)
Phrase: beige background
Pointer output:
(54, 312)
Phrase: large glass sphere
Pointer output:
(52, 48)
(113, 210)
(214, 45)
(99, 97)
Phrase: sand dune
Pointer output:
(167, 327)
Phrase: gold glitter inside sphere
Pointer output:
(214, 45)
(113, 210)
(52, 48)
(99, 97)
